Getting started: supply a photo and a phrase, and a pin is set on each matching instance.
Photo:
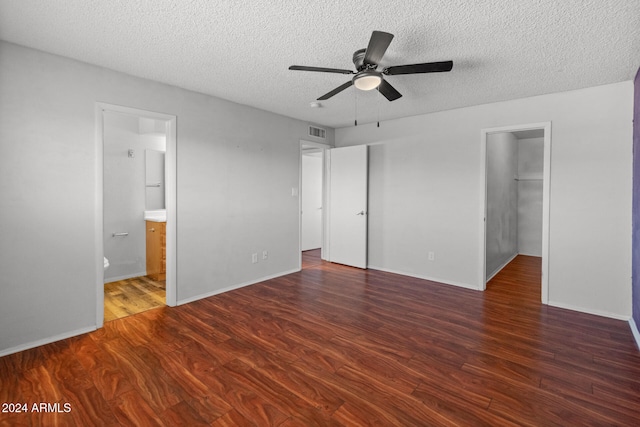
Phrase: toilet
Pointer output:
(106, 263)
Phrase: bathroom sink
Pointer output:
(158, 215)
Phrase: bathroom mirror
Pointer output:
(154, 178)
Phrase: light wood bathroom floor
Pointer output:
(130, 296)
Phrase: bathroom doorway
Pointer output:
(136, 211)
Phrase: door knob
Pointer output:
(360, 213)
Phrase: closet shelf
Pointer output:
(528, 178)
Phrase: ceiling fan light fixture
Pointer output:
(367, 80)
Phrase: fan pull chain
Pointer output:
(355, 98)
(378, 105)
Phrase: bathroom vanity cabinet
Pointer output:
(156, 250)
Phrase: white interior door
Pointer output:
(311, 201)
(348, 206)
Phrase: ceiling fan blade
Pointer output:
(388, 91)
(320, 69)
(427, 67)
(378, 45)
(335, 91)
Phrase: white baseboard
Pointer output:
(589, 311)
(635, 332)
(233, 287)
(534, 255)
(501, 267)
(47, 340)
(126, 276)
(432, 279)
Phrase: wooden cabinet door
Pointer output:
(156, 252)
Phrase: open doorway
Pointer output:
(312, 202)
(515, 211)
(135, 211)
(134, 214)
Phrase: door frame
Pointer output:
(546, 176)
(170, 200)
(325, 165)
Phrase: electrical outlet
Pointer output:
(431, 256)
(254, 258)
(265, 254)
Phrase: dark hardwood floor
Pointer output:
(339, 346)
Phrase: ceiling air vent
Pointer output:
(317, 132)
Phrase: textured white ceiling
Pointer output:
(240, 50)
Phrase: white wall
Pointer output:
(530, 169)
(502, 201)
(425, 193)
(236, 167)
(124, 194)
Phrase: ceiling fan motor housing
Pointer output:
(358, 59)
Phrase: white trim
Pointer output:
(171, 200)
(431, 279)
(234, 287)
(589, 311)
(171, 205)
(326, 250)
(99, 214)
(125, 277)
(546, 196)
(300, 205)
(634, 331)
(499, 269)
(48, 340)
(546, 212)
(482, 273)
(325, 219)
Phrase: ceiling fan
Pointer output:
(368, 77)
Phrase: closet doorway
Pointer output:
(515, 208)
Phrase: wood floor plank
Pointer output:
(314, 393)
(232, 419)
(183, 414)
(102, 367)
(338, 346)
(248, 401)
(132, 409)
(95, 410)
(456, 406)
(614, 411)
(144, 374)
(384, 402)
